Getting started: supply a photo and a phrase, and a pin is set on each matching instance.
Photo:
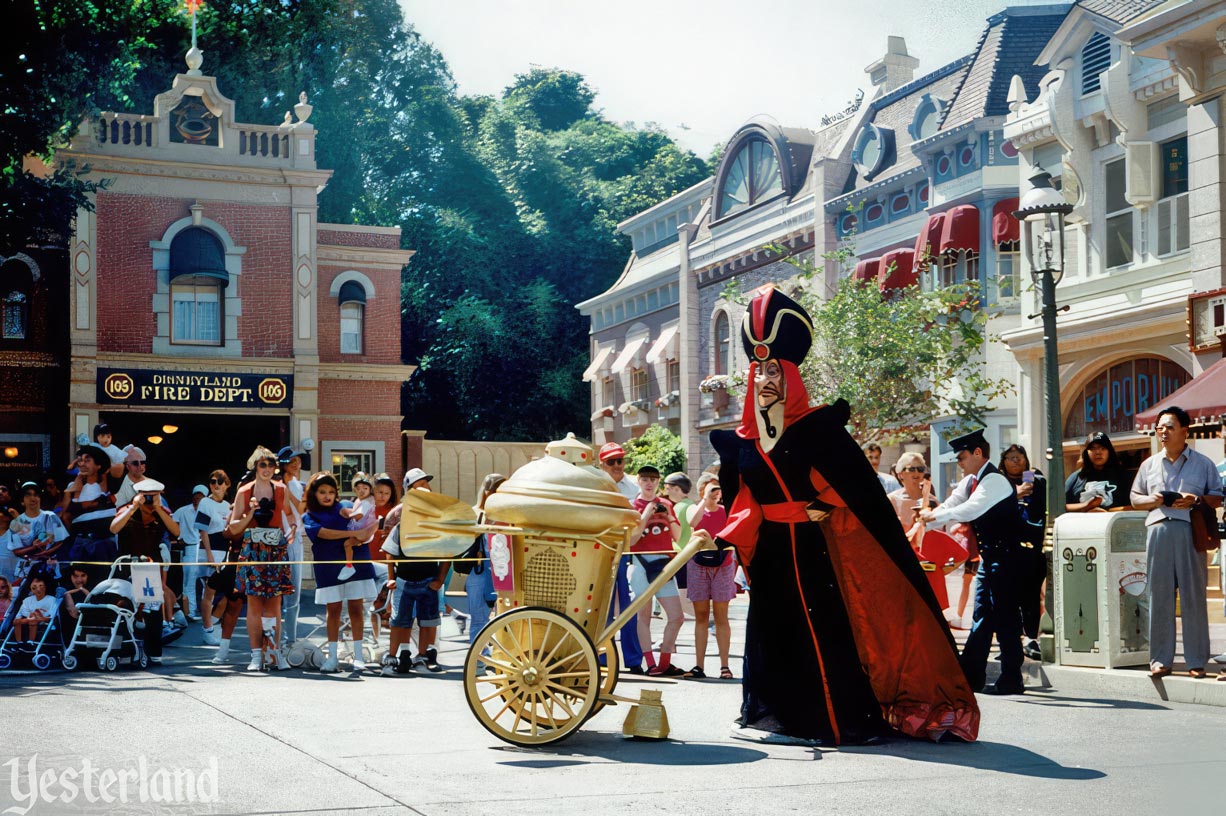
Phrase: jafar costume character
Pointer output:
(844, 639)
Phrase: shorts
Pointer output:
(638, 575)
(415, 600)
(712, 583)
(224, 582)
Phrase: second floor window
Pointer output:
(1119, 217)
(16, 315)
(1006, 281)
(673, 379)
(638, 384)
(196, 314)
(1172, 209)
(352, 318)
(722, 345)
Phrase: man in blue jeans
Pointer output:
(417, 585)
(613, 463)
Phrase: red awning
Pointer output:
(903, 274)
(929, 240)
(866, 270)
(1004, 225)
(1203, 397)
(960, 232)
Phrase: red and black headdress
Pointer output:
(775, 326)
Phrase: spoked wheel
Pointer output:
(541, 678)
(608, 671)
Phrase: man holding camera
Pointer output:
(1169, 485)
(141, 526)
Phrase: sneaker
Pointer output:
(358, 663)
(346, 573)
(282, 664)
(1032, 650)
(404, 666)
(430, 660)
(155, 661)
(180, 619)
(330, 666)
(168, 629)
(389, 666)
(212, 637)
(256, 664)
(193, 617)
(222, 657)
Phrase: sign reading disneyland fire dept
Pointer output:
(194, 389)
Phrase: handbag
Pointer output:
(1205, 534)
(464, 563)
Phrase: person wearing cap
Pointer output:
(289, 459)
(35, 534)
(677, 488)
(987, 501)
(141, 527)
(844, 639)
(90, 510)
(417, 479)
(652, 546)
(613, 462)
(181, 578)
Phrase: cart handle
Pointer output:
(700, 540)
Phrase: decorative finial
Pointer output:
(289, 120)
(195, 57)
(302, 108)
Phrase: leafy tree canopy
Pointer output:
(657, 446)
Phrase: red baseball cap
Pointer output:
(611, 450)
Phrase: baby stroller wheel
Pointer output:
(314, 657)
(42, 662)
(142, 661)
(5, 661)
(111, 663)
(70, 662)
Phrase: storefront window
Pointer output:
(345, 463)
(1111, 401)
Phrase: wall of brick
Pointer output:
(126, 280)
(381, 342)
(340, 401)
(346, 238)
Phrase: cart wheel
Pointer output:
(69, 662)
(111, 663)
(42, 662)
(541, 678)
(5, 661)
(608, 672)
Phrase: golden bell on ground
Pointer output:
(647, 718)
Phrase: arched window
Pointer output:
(352, 298)
(16, 287)
(873, 151)
(723, 345)
(752, 176)
(927, 117)
(198, 278)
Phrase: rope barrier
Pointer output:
(304, 562)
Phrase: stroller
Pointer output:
(50, 643)
(106, 629)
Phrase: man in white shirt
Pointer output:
(189, 534)
(134, 471)
(290, 461)
(37, 533)
(987, 501)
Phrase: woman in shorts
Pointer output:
(712, 583)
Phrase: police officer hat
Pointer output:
(968, 442)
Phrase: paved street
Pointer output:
(304, 743)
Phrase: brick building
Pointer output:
(210, 311)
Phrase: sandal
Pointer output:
(669, 671)
(725, 673)
(1158, 670)
(697, 673)
(1196, 674)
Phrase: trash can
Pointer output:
(1102, 607)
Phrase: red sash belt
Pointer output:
(786, 512)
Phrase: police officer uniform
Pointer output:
(987, 501)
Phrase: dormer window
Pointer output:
(874, 151)
(752, 176)
(927, 117)
(1095, 58)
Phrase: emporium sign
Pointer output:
(1111, 401)
(194, 389)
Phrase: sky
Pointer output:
(698, 69)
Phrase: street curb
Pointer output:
(1118, 684)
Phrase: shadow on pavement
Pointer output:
(985, 756)
(1052, 699)
(582, 748)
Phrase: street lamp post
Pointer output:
(1042, 210)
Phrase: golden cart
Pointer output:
(546, 661)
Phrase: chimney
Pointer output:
(895, 69)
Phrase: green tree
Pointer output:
(556, 98)
(657, 446)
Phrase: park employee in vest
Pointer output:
(987, 501)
